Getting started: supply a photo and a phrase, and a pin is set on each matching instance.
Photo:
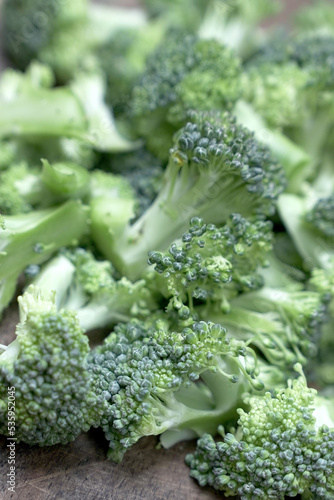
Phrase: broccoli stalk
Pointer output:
(32, 238)
(215, 168)
(29, 108)
(47, 365)
(282, 447)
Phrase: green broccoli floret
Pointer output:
(87, 286)
(215, 168)
(182, 74)
(33, 238)
(147, 376)
(282, 447)
(185, 14)
(46, 366)
(211, 262)
(60, 35)
(30, 108)
(23, 188)
(309, 58)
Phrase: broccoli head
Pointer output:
(47, 367)
(280, 448)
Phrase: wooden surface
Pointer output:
(80, 470)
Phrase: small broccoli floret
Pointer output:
(30, 108)
(47, 366)
(280, 449)
(86, 285)
(215, 168)
(147, 377)
(182, 74)
(211, 262)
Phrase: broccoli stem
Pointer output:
(32, 238)
(55, 112)
(191, 420)
(10, 354)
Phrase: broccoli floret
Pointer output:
(47, 367)
(211, 262)
(34, 237)
(60, 35)
(29, 108)
(282, 447)
(182, 74)
(87, 285)
(215, 168)
(23, 188)
(147, 376)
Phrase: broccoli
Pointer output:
(23, 188)
(29, 107)
(211, 262)
(62, 36)
(308, 59)
(147, 375)
(32, 238)
(87, 286)
(47, 366)
(236, 23)
(182, 74)
(283, 446)
(215, 168)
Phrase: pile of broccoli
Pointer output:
(167, 179)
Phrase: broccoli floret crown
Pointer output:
(55, 400)
(278, 450)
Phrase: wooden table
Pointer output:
(80, 470)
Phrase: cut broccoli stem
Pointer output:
(32, 238)
(10, 354)
(45, 112)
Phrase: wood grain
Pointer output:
(80, 470)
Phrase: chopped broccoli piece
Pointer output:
(281, 448)
(215, 168)
(33, 238)
(23, 188)
(30, 108)
(212, 262)
(140, 369)
(182, 74)
(87, 286)
(62, 36)
(47, 367)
